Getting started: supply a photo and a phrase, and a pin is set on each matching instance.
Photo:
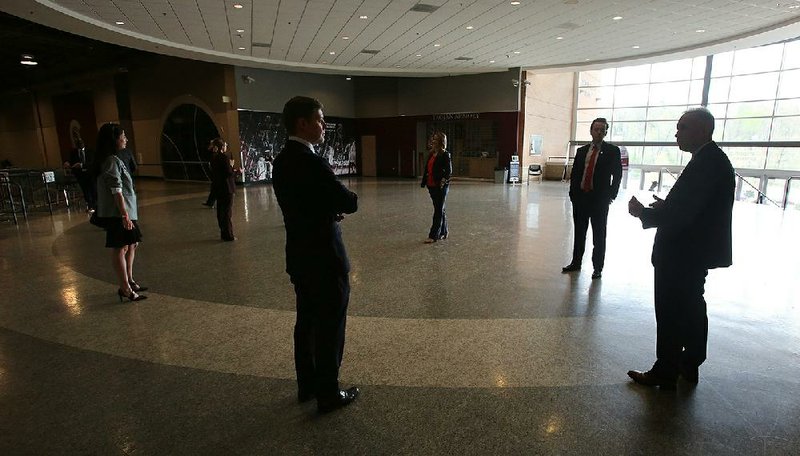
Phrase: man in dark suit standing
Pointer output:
(312, 201)
(79, 164)
(594, 183)
(693, 236)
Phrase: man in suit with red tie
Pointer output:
(313, 202)
(594, 183)
(693, 235)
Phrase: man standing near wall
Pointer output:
(312, 201)
(693, 236)
(593, 185)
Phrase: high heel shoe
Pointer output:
(135, 286)
(131, 297)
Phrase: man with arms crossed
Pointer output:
(693, 236)
(312, 201)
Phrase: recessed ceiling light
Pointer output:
(700, 30)
(616, 18)
(491, 61)
(29, 62)
(469, 27)
(635, 46)
(345, 37)
(436, 45)
(332, 53)
(559, 37)
(324, 61)
(238, 6)
(397, 66)
(239, 30)
(362, 17)
(794, 7)
(348, 78)
(119, 23)
(516, 52)
(419, 55)
(586, 60)
(241, 48)
(515, 3)
(27, 57)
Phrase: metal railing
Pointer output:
(786, 188)
(9, 202)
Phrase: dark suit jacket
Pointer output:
(126, 155)
(222, 175)
(310, 198)
(442, 169)
(74, 157)
(694, 223)
(607, 174)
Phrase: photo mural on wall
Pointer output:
(262, 137)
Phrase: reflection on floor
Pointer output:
(474, 345)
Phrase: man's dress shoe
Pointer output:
(570, 268)
(597, 275)
(650, 379)
(338, 401)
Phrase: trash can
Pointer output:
(500, 175)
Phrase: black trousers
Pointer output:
(224, 215)
(439, 224)
(211, 197)
(88, 187)
(681, 319)
(594, 211)
(319, 331)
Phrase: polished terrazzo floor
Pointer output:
(474, 345)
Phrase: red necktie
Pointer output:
(586, 185)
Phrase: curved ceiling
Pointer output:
(421, 37)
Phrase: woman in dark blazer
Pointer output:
(223, 187)
(436, 177)
(116, 205)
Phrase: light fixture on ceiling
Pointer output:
(26, 57)
(345, 37)
(348, 78)
(238, 5)
(419, 55)
(635, 46)
(586, 60)
(119, 23)
(239, 30)
(362, 17)
(436, 45)
(700, 31)
(241, 48)
(516, 52)
(332, 53)
(397, 66)
(491, 61)
(559, 37)
(616, 18)
(469, 27)
(29, 62)
(515, 3)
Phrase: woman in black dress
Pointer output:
(116, 205)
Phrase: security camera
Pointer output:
(247, 79)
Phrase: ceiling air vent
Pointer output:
(262, 45)
(370, 51)
(423, 8)
(463, 58)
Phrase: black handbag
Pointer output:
(100, 222)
